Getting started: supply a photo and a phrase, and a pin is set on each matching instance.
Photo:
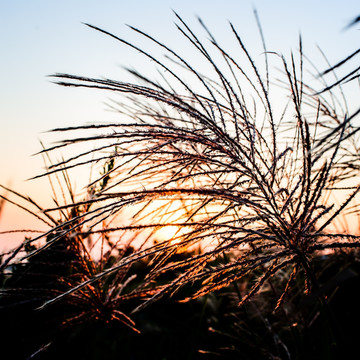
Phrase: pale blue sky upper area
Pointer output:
(38, 38)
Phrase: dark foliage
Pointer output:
(210, 327)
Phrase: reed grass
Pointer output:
(247, 182)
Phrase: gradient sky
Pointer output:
(41, 37)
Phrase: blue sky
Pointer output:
(41, 37)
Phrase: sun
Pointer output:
(170, 233)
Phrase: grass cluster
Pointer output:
(253, 185)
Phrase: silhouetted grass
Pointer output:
(235, 181)
(251, 184)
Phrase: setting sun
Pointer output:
(170, 233)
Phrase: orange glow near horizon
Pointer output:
(173, 235)
(167, 233)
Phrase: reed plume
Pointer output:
(214, 155)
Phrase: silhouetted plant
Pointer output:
(250, 183)
(221, 164)
(66, 259)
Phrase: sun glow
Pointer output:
(170, 233)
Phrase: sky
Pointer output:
(40, 37)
